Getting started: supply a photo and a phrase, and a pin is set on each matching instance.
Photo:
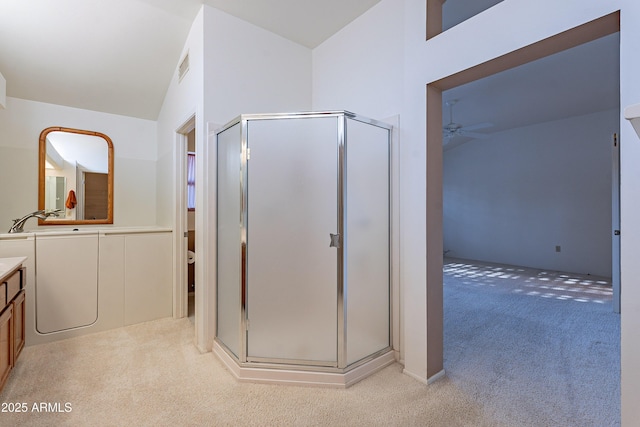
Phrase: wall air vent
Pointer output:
(183, 68)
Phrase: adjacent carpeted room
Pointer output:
(536, 347)
(523, 347)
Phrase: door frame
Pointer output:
(180, 295)
(600, 27)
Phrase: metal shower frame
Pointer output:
(340, 364)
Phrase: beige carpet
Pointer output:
(536, 347)
(151, 375)
(523, 347)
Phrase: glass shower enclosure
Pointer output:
(303, 241)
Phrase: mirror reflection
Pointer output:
(56, 188)
(76, 176)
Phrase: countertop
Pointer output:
(9, 265)
(54, 231)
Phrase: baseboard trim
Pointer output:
(428, 381)
(436, 377)
(414, 376)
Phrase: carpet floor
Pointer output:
(536, 347)
(522, 348)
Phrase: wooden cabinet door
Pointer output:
(18, 325)
(6, 344)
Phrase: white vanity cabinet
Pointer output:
(92, 280)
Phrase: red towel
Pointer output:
(71, 200)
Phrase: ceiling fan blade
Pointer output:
(453, 129)
(477, 126)
(475, 135)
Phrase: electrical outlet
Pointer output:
(558, 248)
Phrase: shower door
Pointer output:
(292, 208)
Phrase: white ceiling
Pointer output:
(575, 82)
(307, 22)
(118, 56)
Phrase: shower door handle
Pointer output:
(336, 242)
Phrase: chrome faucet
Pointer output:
(18, 224)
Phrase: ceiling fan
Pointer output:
(453, 129)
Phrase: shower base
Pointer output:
(302, 375)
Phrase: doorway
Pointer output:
(95, 195)
(527, 163)
(183, 302)
(191, 223)
(593, 30)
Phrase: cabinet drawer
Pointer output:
(3, 295)
(13, 285)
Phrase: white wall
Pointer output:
(250, 70)
(183, 102)
(134, 142)
(630, 214)
(184, 99)
(508, 26)
(359, 69)
(235, 68)
(514, 197)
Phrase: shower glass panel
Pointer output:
(229, 230)
(303, 249)
(366, 239)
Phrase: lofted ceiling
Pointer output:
(118, 56)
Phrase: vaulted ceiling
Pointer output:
(118, 56)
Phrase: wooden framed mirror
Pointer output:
(75, 175)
